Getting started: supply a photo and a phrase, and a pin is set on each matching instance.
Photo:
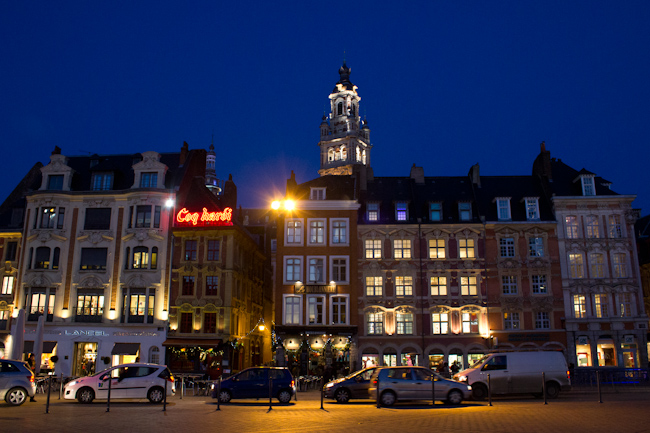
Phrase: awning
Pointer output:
(28, 347)
(191, 342)
(125, 349)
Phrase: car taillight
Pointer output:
(171, 379)
(293, 383)
(374, 382)
(568, 374)
(31, 378)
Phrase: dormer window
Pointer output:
(435, 211)
(401, 211)
(503, 208)
(317, 194)
(149, 180)
(532, 209)
(372, 211)
(55, 182)
(588, 187)
(465, 211)
(102, 181)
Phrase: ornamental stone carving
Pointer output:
(542, 303)
(514, 303)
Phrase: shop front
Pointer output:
(314, 353)
(209, 357)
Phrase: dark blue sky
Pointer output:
(443, 84)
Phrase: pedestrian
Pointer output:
(454, 368)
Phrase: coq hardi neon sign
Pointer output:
(205, 217)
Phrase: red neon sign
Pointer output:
(205, 217)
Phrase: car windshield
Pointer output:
(478, 361)
(365, 373)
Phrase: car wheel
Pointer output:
(16, 396)
(342, 395)
(388, 398)
(479, 391)
(156, 395)
(284, 396)
(552, 390)
(224, 396)
(454, 397)
(85, 395)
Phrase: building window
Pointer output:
(339, 232)
(466, 248)
(575, 265)
(140, 258)
(465, 211)
(509, 284)
(11, 251)
(93, 259)
(339, 267)
(402, 248)
(187, 322)
(210, 323)
(468, 286)
(401, 211)
(373, 248)
(190, 250)
(373, 286)
(588, 185)
(403, 286)
(212, 285)
(404, 323)
(55, 182)
(292, 270)
(142, 216)
(625, 305)
(42, 258)
(149, 180)
(440, 323)
(39, 302)
(503, 209)
(317, 232)
(511, 321)
(532, 209)
(292, 310)
(469, 323)
(102, 181)
(317, 194)
(316, 307)
(538, 283)
(579, 306)
(571, 224)
(507, 247)
(98, 219)
(615, 226)
(316, 267)
(619, 265)
(592, 227)
(213, 250)
(50, 218)
(435, 211)
(188, 286)
(438, 286)
(542, 320)
(375, 323)
(536, 247)
(372, 211)
(294, 232)
(90, 306)
(339, 310)
(8, 284)
(600, 305)
(597, 265)
(436, 248)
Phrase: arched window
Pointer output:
(339, 109)
(140, 257)
(363, 156)
(42, 260)
(353, 110)
(154, 355)
(330, 155)
(344, 153)
(337, 154)
(358, 154)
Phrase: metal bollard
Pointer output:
(378, 405)
(182, 386)
(270, 394)
(433, 389)
(49, 387)
(544, 386)
(165, 397)
(108, 401)
(61, 387)
(600, 395)
(322, 392)
(489, 391)
(219, 393)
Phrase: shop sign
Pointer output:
(204, 218)
(89, 333)
(629, 339)
(583, 340)
(314, 289)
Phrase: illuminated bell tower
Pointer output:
(344, 138)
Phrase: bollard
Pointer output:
(49, 387)
(378, 405)
(270, 393)
(600, 395)
(108, 401)
(165, 397)
(322, 393)
(433, 389)
(544, 386)
(182, 386)
(219, 393)
(61, 387)
(489, 391)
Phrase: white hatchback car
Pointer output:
(126, 381)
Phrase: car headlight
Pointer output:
(462, 378)
(73, 383)
(329, 385)
(469, 387)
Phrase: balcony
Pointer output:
(88, 314)
(133, 317)
(33, 316)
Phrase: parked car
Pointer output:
(414, 383)
(16, 381)
(518, 373)
(254, 383)
(354, 385)
(126, 381)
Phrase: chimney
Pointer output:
(417, 174)
(474, 175)
(291, 183)
(184, 151)
(542, 164)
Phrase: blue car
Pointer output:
(254, 383)
(353, 386)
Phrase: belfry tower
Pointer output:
(344, 137)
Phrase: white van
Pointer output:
(517, 373)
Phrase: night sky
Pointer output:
(443, 84)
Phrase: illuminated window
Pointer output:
(373, 286)
(373, 248)
(50, 218)
(372, 211)
(436, 248)
(600, 305)
(625, 304)
(375, 323)
(339, 266)
(465, 211)
(438, 286)
(402, 248)
(575, 266)
(316, 268)
(571, 224)
(401, 211)
(503, 208)
(469, 322)
(102, 181)
(317, 194)
(536, 247)
(316, 309)
(292, 269)
(532, 209)
(466, 248)
(292, 310)
(339, 232)
(317, 232)
(404, 323)
(468, 286)
(579, 306)
(511, 321)
(440, 323)
(339, 309)
(435, 211)
(619, 265)
(140, 258)
(8, 284)
(538, 283)
(591, 222)
(615, 226)
(403, 286)
(294, 232)
(507, 247)
(588, 185)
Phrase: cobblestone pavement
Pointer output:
(573, 412)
